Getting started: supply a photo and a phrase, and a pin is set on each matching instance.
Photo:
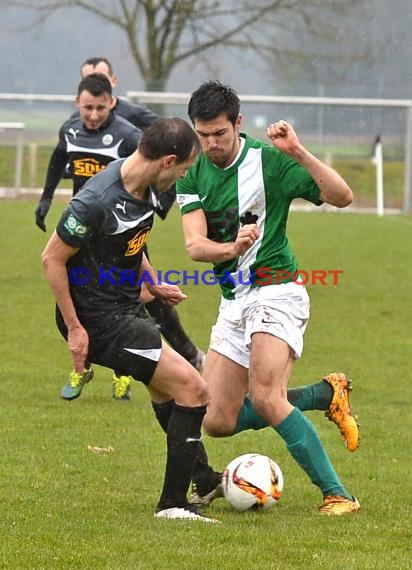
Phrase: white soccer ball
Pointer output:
(252, 481)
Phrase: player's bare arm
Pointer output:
(54, 258)
(201, 248)
(334, 189)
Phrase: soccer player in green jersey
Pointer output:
(235, 201)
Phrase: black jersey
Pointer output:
(88, 152)
(139, 116)
(60, 163)
(111, 228)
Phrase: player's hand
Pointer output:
(41, 213)
(170, 294)
(246, 237)
(78, 341)
(283, 137)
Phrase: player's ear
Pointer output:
(169, 160)
(113, 103)
(238, 123)
(113, 80)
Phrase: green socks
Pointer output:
(300, 436)
(304, 445)
(248, 418)
(312, 397)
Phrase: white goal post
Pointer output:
(19, 129)
(146, 97)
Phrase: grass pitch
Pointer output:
(64, 507)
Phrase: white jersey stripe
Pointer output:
(150, 353)
(251, 197)
(110, 151)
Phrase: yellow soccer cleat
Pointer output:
(75, 383)
(121, 390)
(340, 411)
(337, 505)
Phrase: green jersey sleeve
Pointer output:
(295, 181)
(187, 195)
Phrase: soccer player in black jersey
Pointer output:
(165, 316)
(88, 142)
(94, 263)
(84, 150)
(139, 116)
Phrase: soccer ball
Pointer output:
(252, 481)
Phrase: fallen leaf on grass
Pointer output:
(95, 449)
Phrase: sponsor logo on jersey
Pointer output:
(137, 243)
(74, 226)
(248, 218)
(87, 167)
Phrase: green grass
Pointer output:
(62, 507)
(34, 170)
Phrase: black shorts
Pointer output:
(127, 341)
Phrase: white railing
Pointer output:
(36, 97)
(175, 98)
(146, 97)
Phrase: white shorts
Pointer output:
(281, 310)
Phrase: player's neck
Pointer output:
(137, 175)
(237, 149)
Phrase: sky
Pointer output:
(47, 60)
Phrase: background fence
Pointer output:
(336, 129)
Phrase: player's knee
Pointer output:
(217, 425)
(196, 389)
(272, 408)
(203, 391)
(263, 405)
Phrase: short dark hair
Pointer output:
(96, 83)
(212, 99)
(169, 135)
(94, 61)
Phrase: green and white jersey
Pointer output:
(257, 188)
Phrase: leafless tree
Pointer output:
(163, 33)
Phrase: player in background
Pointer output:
(140, 116)
(166, 316)
(106, 323)
(235, 202)
(88, 141)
